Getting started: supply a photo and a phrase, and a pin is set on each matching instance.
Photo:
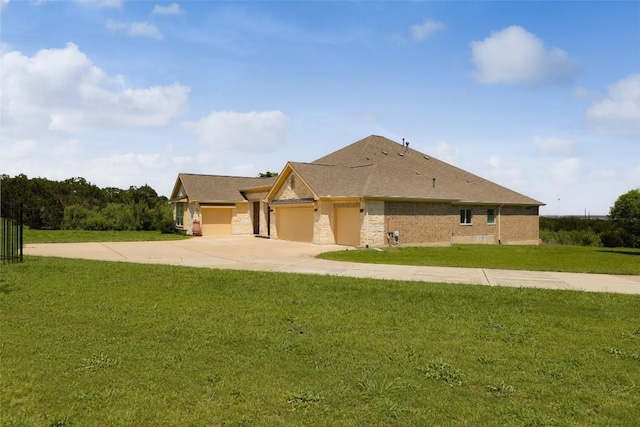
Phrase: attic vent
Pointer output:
(384, 152)
(401, 154)
(468, 180)
(426, 157)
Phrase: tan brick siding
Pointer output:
(419, 223)
(439, 223)
(520, 225)
(260, 197)
(241, 219)
(293, 188)
(373, 225)
(479, 231)
(323, 224)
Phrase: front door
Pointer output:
(256, 217)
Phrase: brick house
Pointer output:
(371, 193)
(220, 205)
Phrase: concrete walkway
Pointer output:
(251, 253)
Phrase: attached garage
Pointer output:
(216, 221)
(348, 222)
(295, 223)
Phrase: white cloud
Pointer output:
(61, 89)
(172, 9)
(515, 56)
(256, 131)
(447, 153)
(509, 172)
(3, 4)
(619, 112)
(135, 29)
(424, 30)
(71, 149)
(553, 145)
(101, 3)
(565, 171)
(17, 149)
(583, 94)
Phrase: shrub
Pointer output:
(571, 237)
(74, 217)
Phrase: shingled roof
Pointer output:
(377, 167)
(217, 188)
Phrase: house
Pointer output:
(221, 204)
(371, 193)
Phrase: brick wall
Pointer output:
(241, 222)
(373, 225)
(259, 197)
(323, 224)
(520, 225)
(419, 222)
(293, 188)
(479, 231)
(439, 223)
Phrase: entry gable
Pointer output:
(179, 193)
(290, 187)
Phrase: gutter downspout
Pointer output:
(499, 225)
(366, 225)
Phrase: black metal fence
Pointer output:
(11, 226)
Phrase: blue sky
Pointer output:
(541, 97)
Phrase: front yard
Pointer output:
(98, 343)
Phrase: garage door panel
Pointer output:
(216, 221)
(295, 224)
(348, 224)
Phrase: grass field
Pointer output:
(580, 259)
(72, 236)
(98, 343)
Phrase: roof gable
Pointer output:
(216, 188)
(290, 185)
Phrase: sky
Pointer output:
(540, 97)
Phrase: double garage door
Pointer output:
(216, 221)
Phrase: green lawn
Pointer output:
(580, 259)
(72, 236)
(98, 343)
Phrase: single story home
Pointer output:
(372, 193)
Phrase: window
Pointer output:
(179, 214)
(491, 216)
(465, 216)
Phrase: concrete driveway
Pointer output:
(253, 253)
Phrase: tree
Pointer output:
(625, 213)
(267, 174)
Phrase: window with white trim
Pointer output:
(491, 216)
(179, 214)
(465, 216)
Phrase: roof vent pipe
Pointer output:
(434, 183)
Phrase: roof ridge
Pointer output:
(221, 176)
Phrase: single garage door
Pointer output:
(216, 221)
(348, 224)
(295, 224)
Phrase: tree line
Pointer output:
(620, 229)
(76, 203)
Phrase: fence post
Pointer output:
(12, 232)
